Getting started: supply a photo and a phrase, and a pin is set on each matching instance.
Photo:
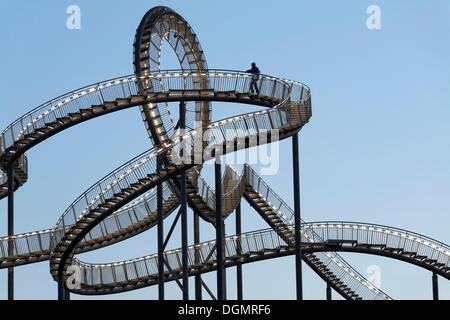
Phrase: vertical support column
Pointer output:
(159, 203)
(239, 251)
(10, 173)
(184, 231)
(219, 231)
(61, 289)
(298, 248)
(224, 270)
(198, 278)
(66, 295)
(435, 287)
(329, 292)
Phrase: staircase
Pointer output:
(323, 263)
(20, 169)
(287, 234)
(203, 197)
(63, 238)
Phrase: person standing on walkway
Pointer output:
(255, 77)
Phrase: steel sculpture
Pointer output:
(141, 193)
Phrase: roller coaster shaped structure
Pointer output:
(148, 188)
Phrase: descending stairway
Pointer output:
(204, 197)
(329, 265)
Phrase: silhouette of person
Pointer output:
(255, 77)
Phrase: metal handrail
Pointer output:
(417, 235)
(283, 204)
(308, 234)
(146, 163)
(208, 194)
(250, 243)
(3, 178)
(122, 87)
(36, 243)
(434, 245)
(60, 101)
(229, 241)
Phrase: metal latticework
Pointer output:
(124, 203)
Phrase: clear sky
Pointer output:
(376, 149)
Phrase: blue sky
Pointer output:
(376, 149)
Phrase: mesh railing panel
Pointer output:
(336, 264)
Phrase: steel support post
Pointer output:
(10, 173)
(198, 278)
(184, 231)
(61, 289)
(329, 292)
(224, 270)
(159, 203)
(219, 231)
(298, 248)
(239, 251)
(66, 294)
(435, 287)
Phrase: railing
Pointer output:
(3, 180)
(123, 87)
(245, 247)
(384, 237)
(143, 209)
(161, 115)
(161, 82)
(230, 198)
(204, 189)
(71, 102)
(138, 168)
(333, 261)
(273, 199)
(300, 93)
(25, 245)
(35, 244)
(233, 196)
(204, 253)
(22, 165)
(123, 177)
(246, 125)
